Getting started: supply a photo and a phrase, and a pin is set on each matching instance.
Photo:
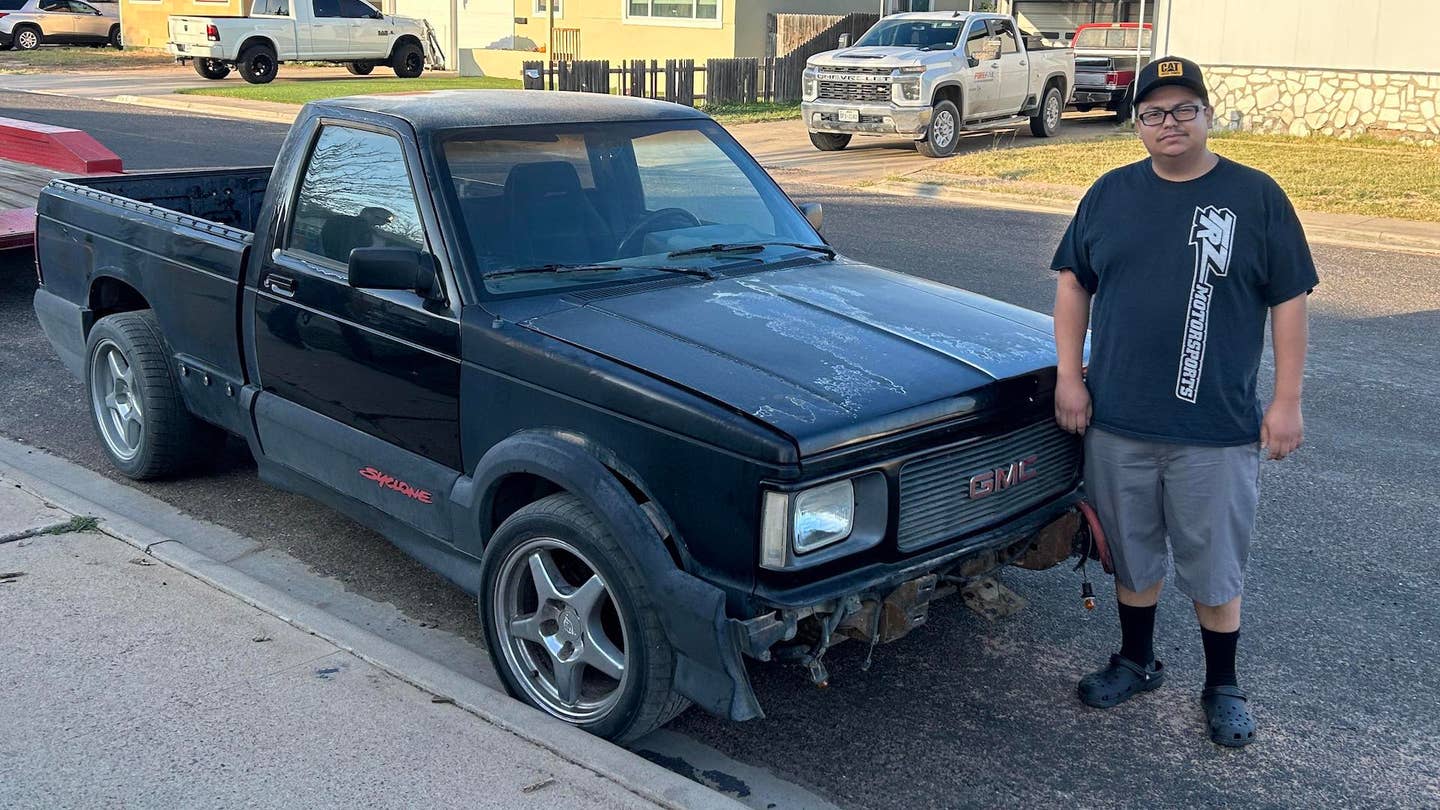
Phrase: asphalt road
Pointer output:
(1341, 641)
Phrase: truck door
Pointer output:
(329, 33)
(1014, 68)
(371, 37)
(359, 387)
(982, 85)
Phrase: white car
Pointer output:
(350, 32)
(27, 24)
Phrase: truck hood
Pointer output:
(827, 354)
(873, 57)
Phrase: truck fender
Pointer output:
(708, 665)
(959, 94)
(404, 40)
(256, 40)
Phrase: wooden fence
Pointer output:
(683, 81)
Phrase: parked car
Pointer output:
(27, 24)
(932, 75)
(587, 361)
(1105, 65)
(351, 32)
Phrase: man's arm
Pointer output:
(1072, 318)
(1284, 428)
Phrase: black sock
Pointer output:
(1219, 657)
(1137, 633)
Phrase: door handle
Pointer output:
(1022, 62)
(280, 285)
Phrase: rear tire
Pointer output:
(114, 39)
(531, 636)
(944, 132)
(136, 406)
(829, 141)
(1046, 120)
(212, 69)
(1124, 108)
(258, 65)
(27, 38)
(408, 61)
(359, 68)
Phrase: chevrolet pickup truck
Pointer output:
(351, 32)
(586, 361)
(931, 76)
(1105, 65)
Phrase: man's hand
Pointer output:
(1072, 404)
(1283, 429)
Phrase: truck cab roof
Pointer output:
(457, 109)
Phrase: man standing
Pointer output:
(1183, 255)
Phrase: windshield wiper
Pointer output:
(566, 268)
(747, 247)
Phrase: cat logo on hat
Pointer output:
(1171, 69)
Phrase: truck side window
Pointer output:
(278, 8)
(356, 9)
(356, 193)
(326, 8)
(1008, 44)
(979, 44)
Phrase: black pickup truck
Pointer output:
(586, 360)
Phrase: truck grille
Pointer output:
(935, 502)
(854, 91)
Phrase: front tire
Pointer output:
(571, 624)
(212, 69)
(27, 38)
(1046, 120)
(829, 141)
(359, 68)
(136, 406)
(944, 132)
(408, 61)
(258, 64)
(114, 39)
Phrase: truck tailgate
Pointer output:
(131, 237)
(190, 31)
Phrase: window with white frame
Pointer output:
(674, 9)
(541, 8)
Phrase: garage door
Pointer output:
(1058, 20)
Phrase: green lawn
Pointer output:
(78, 58)
(299, 92)
(1368, 177)
(751, 113)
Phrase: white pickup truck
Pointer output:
(351, 32)
(932, 75)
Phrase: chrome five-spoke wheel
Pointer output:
(561, 630)
(115, 396)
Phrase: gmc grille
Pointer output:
(935, 502)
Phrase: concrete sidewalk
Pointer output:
(129, 682)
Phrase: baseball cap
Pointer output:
(1170, 70)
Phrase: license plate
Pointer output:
(848, 116)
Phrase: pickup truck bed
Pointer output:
(155, 226)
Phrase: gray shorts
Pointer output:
(1203, 498)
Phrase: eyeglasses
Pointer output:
(1185, 112)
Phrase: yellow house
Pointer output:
(661, 29)
(145, 23)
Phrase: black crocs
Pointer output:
(1119, 682)
(1230, 721)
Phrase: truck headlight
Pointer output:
(822, 516)
(810, 85)
(907, 90)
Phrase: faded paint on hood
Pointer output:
(823, 353)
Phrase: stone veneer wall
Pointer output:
(1328, 102)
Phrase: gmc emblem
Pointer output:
(1003, 478)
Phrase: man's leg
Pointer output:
(1211, 496)
(1122, 481)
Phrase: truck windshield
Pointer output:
(559, 206)
(929, 34)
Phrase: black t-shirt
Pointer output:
(1183, 275)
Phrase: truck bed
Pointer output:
(178, 240)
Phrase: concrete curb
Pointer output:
(178, 103)
(61, 482)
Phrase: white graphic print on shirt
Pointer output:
(1211, 234)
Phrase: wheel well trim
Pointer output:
(708, 665)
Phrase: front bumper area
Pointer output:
(875, 119)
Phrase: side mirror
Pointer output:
(814, 214)
(972, 61)
(377, 15)
(844, 40)
(393, 269)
